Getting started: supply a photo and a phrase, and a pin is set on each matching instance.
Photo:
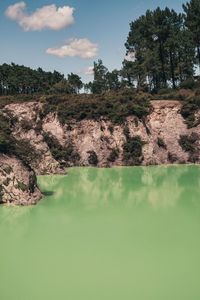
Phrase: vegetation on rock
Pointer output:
(93, 158)
(63, 154)
(188, 144)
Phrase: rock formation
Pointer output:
(161, 138)
(17, 183)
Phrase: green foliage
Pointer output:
(172, 157)
(6, 141)
(62, 154)
(26, 125)
(15, 79)
(75, 83)
(22, 186)
(188, 84)
(163, 50)
(104, 80)
(189, 109)
(99, 84)
(61, 87)
(25, 151)
(161, 143)
(113, 155)
(132, 151)
(93, 158)
(187, 142)
(113, 106)
(9, 145)
(192, 21)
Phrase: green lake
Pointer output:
(105, 234)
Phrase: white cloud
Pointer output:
(83, 48)
(88, 71)
(46, 17)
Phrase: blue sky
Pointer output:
(103, 23)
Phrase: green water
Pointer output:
(105, 234)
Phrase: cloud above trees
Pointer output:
(89, 71)
(53, 18)
(82, 48)
(46, 17)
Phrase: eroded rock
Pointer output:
(18, 185)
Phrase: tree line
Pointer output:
(15, 79)
(164, 47)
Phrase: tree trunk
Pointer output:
(198, 53)
(162, 64)
(172, 69)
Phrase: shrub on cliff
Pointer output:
(187, 143)
(189, 110)
(9, 145)
(161, 143)
(6, 141)
(132, 151)
(93, 158)
(113, 106)
(60, 153)
(114, 154)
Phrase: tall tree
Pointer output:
(75, 83)
(192, 21)
(99, 84)
(162, 48)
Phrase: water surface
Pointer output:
(105, 234)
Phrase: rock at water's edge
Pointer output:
(18, 184)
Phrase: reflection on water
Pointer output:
(111, 234)
(92, 188)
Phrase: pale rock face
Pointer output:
(164, 122)
(29, 114)
(17, 183)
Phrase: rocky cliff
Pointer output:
(17, 183)
(160, 138)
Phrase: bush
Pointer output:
(60, 153)
(26, 125)
(187, 143)
(189, 109)
(26, 152)
(9, 145)
(93, 159)
(132, 151)
(113, 155)
(161, 143)
(22, 186)
(7, 142)
(188, 84)
(112, 106)
(165, 91)
(172, 157)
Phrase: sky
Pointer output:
(69, 35)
